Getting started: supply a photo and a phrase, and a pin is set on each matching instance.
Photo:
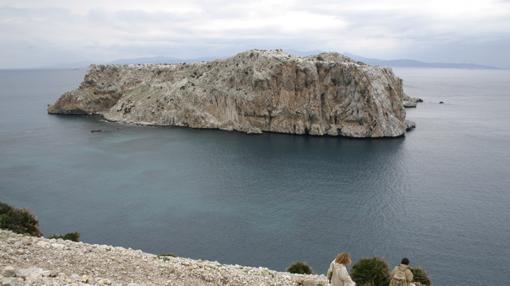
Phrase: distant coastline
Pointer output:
(411, 63)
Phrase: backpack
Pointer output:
(399, 277)
(399, 274)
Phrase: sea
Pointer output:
(439, 196)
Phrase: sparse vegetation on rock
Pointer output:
(166, 256)
(300, 267)
(18, 220)
(374, 271)
(371, 272)
(421, 276)
(72, 236)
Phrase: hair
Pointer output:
(405, 261)
(343, 258)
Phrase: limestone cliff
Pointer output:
(253, 92)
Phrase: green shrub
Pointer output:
(18, 220)
(300, 267)
(165, 256)
(371, 271)
(421, 276)
(73, 236)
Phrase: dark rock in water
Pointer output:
(410, 125)
(96, 130)
(441, 102)
(419, 100)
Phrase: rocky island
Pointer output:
(253, 92)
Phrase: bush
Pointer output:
(371, 271)
(165, 256)
(300, 267)
(18, 220)
(421, 276)
(73, 236)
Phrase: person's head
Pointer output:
(404, 261)
(343, 258)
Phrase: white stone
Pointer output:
(43, 244)
(58, 245)
(9, 281)
(31, 272)
(8, 271)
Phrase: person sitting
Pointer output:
(401, 274)
(337, 272)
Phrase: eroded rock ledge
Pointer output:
(27, 260)
(411, 102)
(253, 92)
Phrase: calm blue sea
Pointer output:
(440, 196)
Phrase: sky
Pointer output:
(38, 33)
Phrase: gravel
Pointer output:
(26, 260)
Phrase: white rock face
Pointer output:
(411, 102)
(90, 264)
(253, 92)
(9, 271)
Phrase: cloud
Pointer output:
(36, 33)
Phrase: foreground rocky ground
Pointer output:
(26, 260)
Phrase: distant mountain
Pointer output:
(416, 64)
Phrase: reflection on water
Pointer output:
(438, 196)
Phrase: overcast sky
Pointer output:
(36, 33)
